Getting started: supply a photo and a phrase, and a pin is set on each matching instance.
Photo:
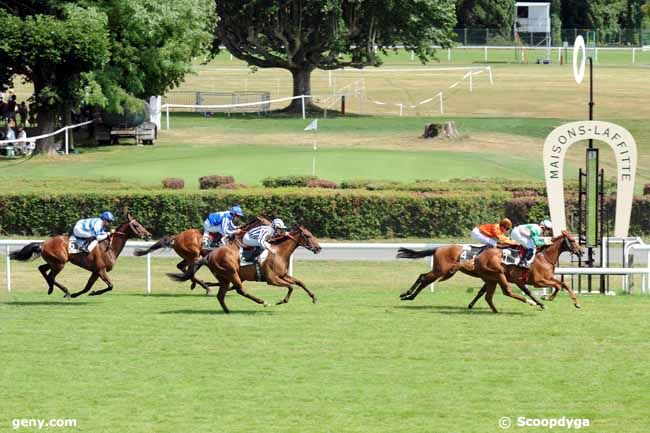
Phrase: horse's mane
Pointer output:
(283, 237)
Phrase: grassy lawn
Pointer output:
(358, 361)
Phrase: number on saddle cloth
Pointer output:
(78, 245)
(469, 252)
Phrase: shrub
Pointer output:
(321, 183)
(173, 183)
(232, 186)
(342, 214)
(212, 182)
(646, 189)
(279, 182)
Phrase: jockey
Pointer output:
(492, 234)
(222, 223)
(93, 230)
(530, 236)
(259, 236)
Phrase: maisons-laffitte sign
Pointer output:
(624, 147)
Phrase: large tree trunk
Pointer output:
(301, 86)
(46, 123)
(45, 119)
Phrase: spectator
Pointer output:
(11, 107)
(11, 135)
(23, 113)
(3, 108)
(32, 116)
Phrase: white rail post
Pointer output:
(66, 141)
(302, 97)
(8, 271)
(329, 78)
(412, 55)
(485, 55)
(633, 55)
(401, 109)
(449, 54)
(290, 271)
(167, 109)
(148, 273)
(490, 74)
(471, 81)
(442, 108)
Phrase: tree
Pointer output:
(106, 53)
(486, 14)
(302, 35)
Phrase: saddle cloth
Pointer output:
(509, 256)
(75, 244)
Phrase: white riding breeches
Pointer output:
(477, 235)
(208, 228)
(249, 241)
(522, 239)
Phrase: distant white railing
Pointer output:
(9, 245)
(65, 130)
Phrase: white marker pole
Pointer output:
(8, 271)
(313, 161)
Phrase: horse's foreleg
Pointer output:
(239, 287)
(505, 288)
(478, 296)
(300, 284)
(89, 284)
(524, 288)
(102, 274)
(557, 285)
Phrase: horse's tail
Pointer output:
(29, 251)
(405, 253)
(191, 270)
(165, 242)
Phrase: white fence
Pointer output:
(65, 130)
(388, 250)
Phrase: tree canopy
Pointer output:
(102, 52)
(302, 35)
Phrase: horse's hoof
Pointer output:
(470, 306)
(92, 293)
(531, 303)
(266, 304)
(578, 306)
(543, 307)
(281, 302)
(314, 301)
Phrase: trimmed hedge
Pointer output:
(328, 213)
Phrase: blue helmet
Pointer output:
(236, 210)
(107, 216)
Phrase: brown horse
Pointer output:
(224, 264)
(447, 262)
(99, 261)
(189, 246)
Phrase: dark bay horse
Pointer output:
(188, 245)
(224, 265)
(447, 262)
(99, 261)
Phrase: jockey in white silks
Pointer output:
(259, 236)
(93, 230)
(221, 223)
(530, 236)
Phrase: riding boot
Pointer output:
(206, 240)
(90, 245)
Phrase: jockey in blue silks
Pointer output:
(93, 230)
(221, 223)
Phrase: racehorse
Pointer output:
(224, 265)
(488, 266)
(99, 261)
(188, 245)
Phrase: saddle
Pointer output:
(214, 242)
(509, 255)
